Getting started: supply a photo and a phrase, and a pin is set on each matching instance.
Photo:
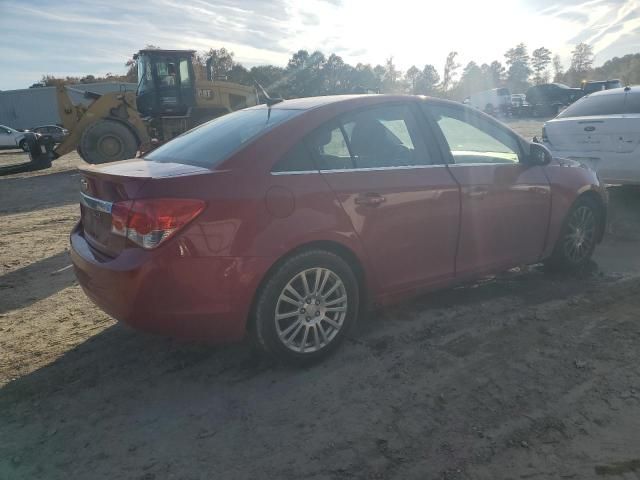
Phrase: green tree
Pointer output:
(412, 76)
(365, 78)
(305, 74)
(218, 63)
(391, 76)
(450, 72)
(582, 58)
(519, 71)
(496, 74)
(272, 78)
(626, 68)
(558, 69)
(472, 80)
(428, 81)
(540, 60)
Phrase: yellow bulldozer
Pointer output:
(169, 100)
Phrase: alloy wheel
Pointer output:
(581, 234)
(311, 310)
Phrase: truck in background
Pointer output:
(493, 102)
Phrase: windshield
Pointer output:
(211, 143)
(145, 77)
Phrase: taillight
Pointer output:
(149, 222)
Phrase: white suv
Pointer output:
(602, 131)
(10, 138)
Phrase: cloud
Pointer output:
(97, 36)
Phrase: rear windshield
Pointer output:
(595, 105)
(209, 144)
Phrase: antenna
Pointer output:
(267, 99)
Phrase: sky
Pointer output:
(80, 37)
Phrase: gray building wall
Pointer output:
(32, 107)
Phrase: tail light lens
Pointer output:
(149, 222)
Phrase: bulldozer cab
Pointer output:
(166, 82)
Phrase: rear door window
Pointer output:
(296, 160)
(329, 147)
(385, 137)
(209, 144)
(593, 105)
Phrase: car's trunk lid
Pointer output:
(105, 185)
(615, 133)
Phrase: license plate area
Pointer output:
(96, 224)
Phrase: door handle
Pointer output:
(370, 199)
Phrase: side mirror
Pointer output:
(539, 154)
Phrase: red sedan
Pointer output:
(283, 222)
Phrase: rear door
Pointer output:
(504, 203)
(402, 201)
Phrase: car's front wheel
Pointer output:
(306, 307)
(24, 146)
(578, 237)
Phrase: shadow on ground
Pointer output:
(37, 281)
(32, 193)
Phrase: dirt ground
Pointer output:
(527, 375)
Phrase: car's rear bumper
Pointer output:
(612, 168)
(180, 295)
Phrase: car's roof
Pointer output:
(635, 90)
(309, 103)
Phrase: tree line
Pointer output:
(314, 73)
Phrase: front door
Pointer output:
(505, 203)
(403, 203)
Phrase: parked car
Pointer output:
(12, 138)
(285, 222)
(496, 100)
(602, 131)
(58, 134)
(551, 98)
(595, 86)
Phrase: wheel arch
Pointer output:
(340, 249)
(602, 208)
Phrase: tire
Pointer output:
(489, 110)
(107, 141)
(578, 237)
(306, 332)
(24, 146)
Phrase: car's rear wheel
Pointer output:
(578, 237)
(306, 307)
